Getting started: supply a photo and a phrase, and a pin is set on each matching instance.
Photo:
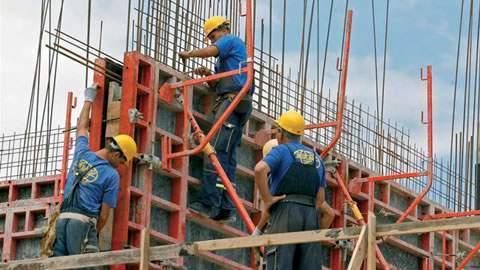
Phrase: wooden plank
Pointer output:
(371, 242)
(429, 226)
(277, 239)
(145, 249)
(360, 250)
(95, 259)
(337, 234)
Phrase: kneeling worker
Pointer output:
(294, 196)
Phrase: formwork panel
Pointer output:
(399, 258)
(28, 248)
(197, 232)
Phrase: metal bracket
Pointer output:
(134, 115)
(344, 244)
(154, 161)
(338, 65)
(421, 75)
(422, 119)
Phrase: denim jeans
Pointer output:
(70, 238)
(225, 142)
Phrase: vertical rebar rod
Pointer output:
(89, 13)
(455, 85)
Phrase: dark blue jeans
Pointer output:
(70, 238)
(225, 143)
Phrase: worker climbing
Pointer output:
(230, 54)
(91, 188)
(294, 196)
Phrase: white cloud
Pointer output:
(18, 53)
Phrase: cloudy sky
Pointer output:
(420, 33)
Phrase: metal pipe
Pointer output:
(358, 216)
(343, 86)
(395, 176)
(66, 142)
(451, 214)
(430, 149)
(469, 257)
(321, 125)
(221, 172)
(444, 249)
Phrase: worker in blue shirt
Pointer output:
(294, 196)
(91, 189)
(231, 54)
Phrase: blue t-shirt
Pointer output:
(279, 160)
(231, 52)
(99, 185)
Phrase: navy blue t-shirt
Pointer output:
(279, 160)
(231, 52)
(99, 185)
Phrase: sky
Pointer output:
(420, 33)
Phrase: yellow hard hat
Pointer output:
(268, 146)
(127, 145)
(213, 23)
(292, 121)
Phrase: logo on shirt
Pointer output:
(91, 174)
(306, 157)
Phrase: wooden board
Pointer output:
(371, 242)
(95, 259)
(360, 250)
(337, 234)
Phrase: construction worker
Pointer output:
(327, 213)
(91, 188)
(230, 54)
(294, 197)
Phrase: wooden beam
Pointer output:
(145, 249)
(277, 239)
(95, 259)
(336, 234)
(360, 250)
(173, 251)
(417, 227)
(372, 241)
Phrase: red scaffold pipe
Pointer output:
(424, 192)
(66, 143)
(223, 176)
(343, 86)
(469, 257)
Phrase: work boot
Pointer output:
(225, 216)
(201, 208)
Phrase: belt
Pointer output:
(299, 199)
(79, 217)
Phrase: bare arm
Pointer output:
(104, 212)
(261, 178)
(210, 51)
(326, 212)
(327, 215)
(84, 119)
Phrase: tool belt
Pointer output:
(243, 106)
(299, 199)
(80, 217)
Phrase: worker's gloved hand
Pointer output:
(184, 55)
(91, 92)
(202, 71)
